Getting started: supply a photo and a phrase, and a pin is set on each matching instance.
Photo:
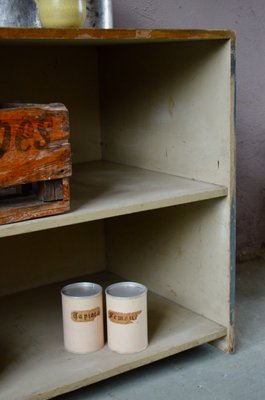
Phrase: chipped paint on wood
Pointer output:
(114, 34)
(232, 260)
(143, 34)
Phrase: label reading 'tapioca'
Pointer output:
(123, 318)
(85, 316)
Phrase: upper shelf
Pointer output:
(102, 190)
(97, 36)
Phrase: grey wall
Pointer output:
(247, 18)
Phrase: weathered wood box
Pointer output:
(35, 161)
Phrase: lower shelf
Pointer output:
(34, 364)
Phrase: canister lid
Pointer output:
(126, 290)
(81, 289)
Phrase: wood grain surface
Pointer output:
(33, 143)
(115, 34)
(35, 161)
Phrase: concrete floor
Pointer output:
(203, 373)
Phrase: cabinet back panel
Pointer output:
(39, 258)
(166, 107)
(44, 74)
(181, 253)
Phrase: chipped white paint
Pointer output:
(246, 18)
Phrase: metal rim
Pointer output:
(135, 290)
(86, 289)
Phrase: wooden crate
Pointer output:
(35, 161)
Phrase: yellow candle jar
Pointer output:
(62, 13)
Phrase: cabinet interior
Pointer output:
(159, 107)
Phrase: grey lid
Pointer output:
(125, 290)
(81, 289)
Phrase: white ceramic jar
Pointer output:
(62, 13)
(82, 306)
(126, 304)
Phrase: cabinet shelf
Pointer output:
(102, 189)
(32, 353)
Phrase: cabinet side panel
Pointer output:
(56, 73)
(39, 258)
(181, 253)
(166, 107)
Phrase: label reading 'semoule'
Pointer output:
(123, 318)
(85, 316)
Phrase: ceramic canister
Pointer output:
(126, 304)
(62, 13)
(82, 317)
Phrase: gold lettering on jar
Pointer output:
(85, 316)
(123, 318)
